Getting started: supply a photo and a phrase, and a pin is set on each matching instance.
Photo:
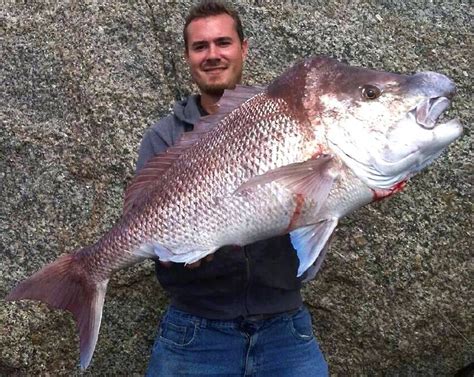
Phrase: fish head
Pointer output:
(385, 127)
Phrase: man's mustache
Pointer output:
(213, 64)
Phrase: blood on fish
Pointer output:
(318, 153)
(379, 194)
(296, 212)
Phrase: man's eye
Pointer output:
(199, 47)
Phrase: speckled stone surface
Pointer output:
(82, 80)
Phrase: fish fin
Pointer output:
(312, 271)
(144, 181)
(65, 285)
(312, 178)
(309, 243)
(230, 100)
(163, 253)
(188, 257)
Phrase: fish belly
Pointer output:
(238, 219)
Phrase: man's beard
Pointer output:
(218, 88)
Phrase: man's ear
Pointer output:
(245, 48)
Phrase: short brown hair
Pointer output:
(209, 8)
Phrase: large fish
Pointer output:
(320, 141)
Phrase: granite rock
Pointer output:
(81, 83)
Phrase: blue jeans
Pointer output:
(282, 346)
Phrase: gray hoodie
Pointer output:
(166, 132)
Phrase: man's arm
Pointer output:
(158, 138)
(152, 144)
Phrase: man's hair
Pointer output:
(209, 8)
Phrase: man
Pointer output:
(239, 313)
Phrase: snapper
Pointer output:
(319, 142)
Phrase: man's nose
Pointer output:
(213, 52)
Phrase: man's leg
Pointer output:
(286, 347)
(192, 346)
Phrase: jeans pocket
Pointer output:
(301, 326)
(180, 335)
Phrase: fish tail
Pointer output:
(65, 284)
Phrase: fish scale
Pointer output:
(295, 157)
(201, 190)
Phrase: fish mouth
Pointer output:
(429, 140)
(428, 112)
(430, 115)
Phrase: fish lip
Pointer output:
(429, 110)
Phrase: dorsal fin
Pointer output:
(159, 164)
(230, 100)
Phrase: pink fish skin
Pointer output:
(319, 142)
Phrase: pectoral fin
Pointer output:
(313, 179)
(309, 242)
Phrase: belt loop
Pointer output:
(202, 323)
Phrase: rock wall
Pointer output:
(82, 81)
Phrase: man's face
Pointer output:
(215, 54)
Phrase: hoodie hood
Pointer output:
(188, 109)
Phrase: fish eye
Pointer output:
(370, 92)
